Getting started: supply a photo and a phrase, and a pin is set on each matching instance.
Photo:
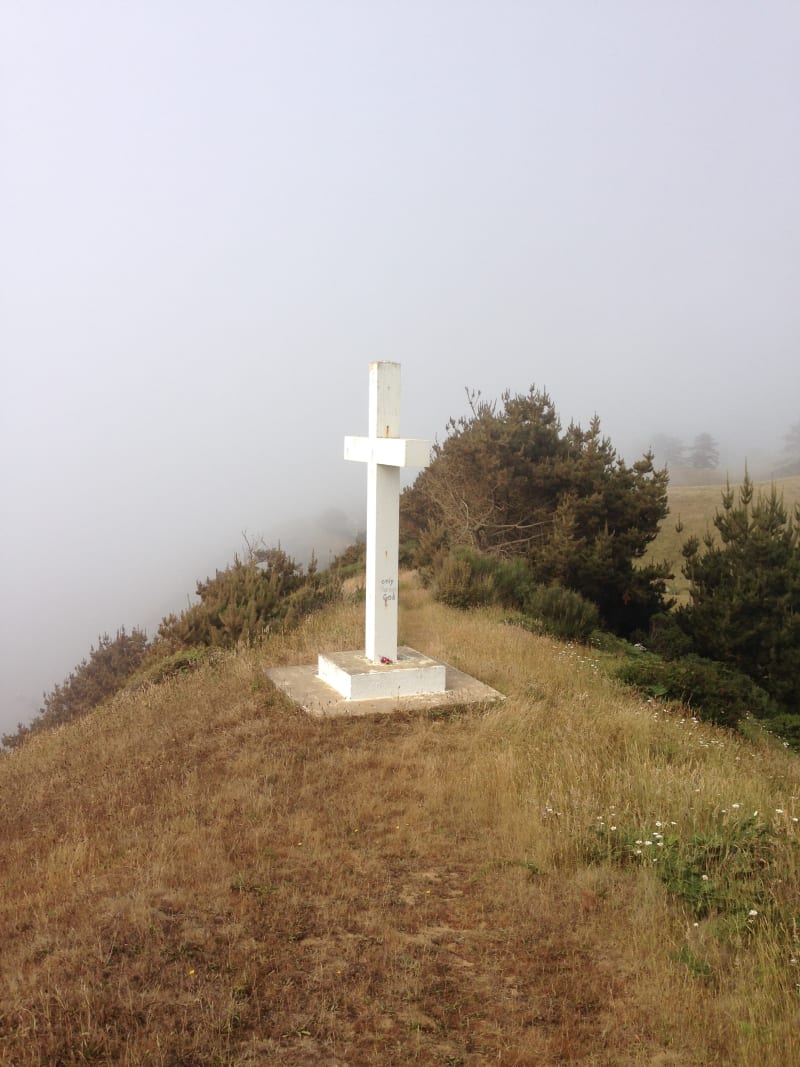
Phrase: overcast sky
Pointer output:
(213, 216)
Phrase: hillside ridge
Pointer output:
(197, 873)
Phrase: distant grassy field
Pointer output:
(695, 506)
(199, 874)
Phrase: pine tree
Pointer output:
(791, 449)
(745, 606)
(792, 441)
(669, 450)
(704, 453)
(510, 482)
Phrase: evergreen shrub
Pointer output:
(246, 599)
(351, 562)
(667, 638)
(787, 727)
(463, 579)
(562, 613)
(716, 693)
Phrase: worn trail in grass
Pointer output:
(200, 874)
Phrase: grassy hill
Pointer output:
(695, 506)
(197, 873)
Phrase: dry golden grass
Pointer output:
(695, 507)
(199, 874)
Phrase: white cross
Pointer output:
(384, 452)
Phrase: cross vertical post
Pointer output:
(383, 517)
(384, 452)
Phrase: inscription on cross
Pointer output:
(385, 453)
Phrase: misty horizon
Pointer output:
(213, 221)
(323, 536)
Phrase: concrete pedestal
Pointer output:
(305, 688)
(355, 677)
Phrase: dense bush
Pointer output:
(563, 613)
(466, 579)
(667, 638)
(94, 680)
(246, 599)
(351, 561)
(239, 603)
(713, 691)
(786, 727)
(511, 484)
(460, 582)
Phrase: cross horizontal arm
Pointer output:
(388, 451)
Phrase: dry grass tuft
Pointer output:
(199, 874)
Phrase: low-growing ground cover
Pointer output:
(199, 874)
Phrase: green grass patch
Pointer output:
(725, 872)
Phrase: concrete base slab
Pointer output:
(355, 677)
(304, 686)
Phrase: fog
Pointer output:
(214, 216)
